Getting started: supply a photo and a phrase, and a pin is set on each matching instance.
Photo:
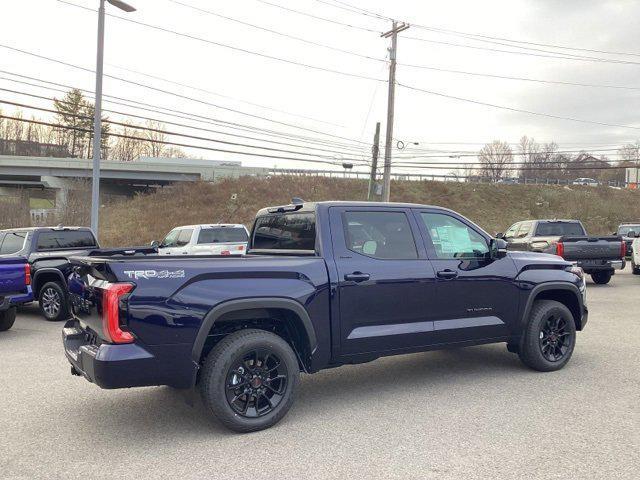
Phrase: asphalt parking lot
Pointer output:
(468, 413)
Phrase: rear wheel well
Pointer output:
(46, 277)
(284, 323)
(567, 298)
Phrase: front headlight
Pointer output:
(577, 271)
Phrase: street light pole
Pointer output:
(97, 118)
(97, 125)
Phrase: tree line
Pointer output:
(72, 135)
(498, 160)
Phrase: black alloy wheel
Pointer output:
(555, 338)
(256, 384)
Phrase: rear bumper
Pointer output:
(14, 299)
(604, 265)
(126, 365)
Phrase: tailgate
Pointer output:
(99, 303)
(13, 276)
(592, 248)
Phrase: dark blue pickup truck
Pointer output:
(15, 288)
(323, 284)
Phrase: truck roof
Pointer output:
(35, 229)
(311, 206)
(212, 225)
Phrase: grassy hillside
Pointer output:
(494, 207)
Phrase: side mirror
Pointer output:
(498, 248)
(500, 235)
(154, 244)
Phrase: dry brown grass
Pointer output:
(494, 207)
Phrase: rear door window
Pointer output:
(559, 229)
(12, 242)
(222, 235)
(291, 231)
(63, 239)
(383, 235)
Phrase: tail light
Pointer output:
(27, 274)
(240, 247)
(623, 249)
(111, 326)
(560, 249)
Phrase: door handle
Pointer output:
(447, 274)
(356, 277)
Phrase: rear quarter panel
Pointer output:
(170, 310)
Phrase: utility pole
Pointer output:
(374, 162)
(97, 117)
(393, 33)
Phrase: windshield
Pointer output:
(559, 229)
(624, 229)
(223, 235)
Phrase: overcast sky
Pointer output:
(343, 105)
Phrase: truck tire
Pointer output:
(634, 268)
(249, 379)
(7, 318)
(53, 302)
(601, 278)
(549, 337)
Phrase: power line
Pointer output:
(117, 135)
(213, 120)
(317, 17)
(275, 32)
(523, 79)
(529, 112)
(550, 54)
(231, 47)
(165, 132)
(185, 125)
(427, 67)
(184, 97)
(199, 89)
(476, 36)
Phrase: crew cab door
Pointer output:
(386, 285)
(476, 295)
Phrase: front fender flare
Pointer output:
(551, 286)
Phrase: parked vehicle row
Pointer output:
(599, 257)
(214, 239)
(322, 285)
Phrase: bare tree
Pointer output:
(495, 159)
(129, 146)
(154, 145)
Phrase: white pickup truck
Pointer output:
(206, 239)
(635, 252)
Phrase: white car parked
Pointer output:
(212, 239)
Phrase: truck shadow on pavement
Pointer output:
(161, 411)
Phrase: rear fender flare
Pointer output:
(248, 304)
(43, 271)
